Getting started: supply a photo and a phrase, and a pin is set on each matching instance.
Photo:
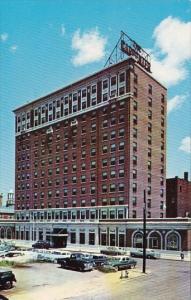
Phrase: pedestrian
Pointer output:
(182, 255)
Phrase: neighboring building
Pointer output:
(10, 199)
(178, 197)
(7, 213)
(1, 199)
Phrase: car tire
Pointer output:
(8, 285)
(148, 256)
(133, 255)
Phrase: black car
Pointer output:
(77, 261)
(6, 279)
(41, 245)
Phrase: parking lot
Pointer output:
(165, 279)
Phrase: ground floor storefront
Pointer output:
(169, 234)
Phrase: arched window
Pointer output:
(173, 241)
(2, 233)
(138, 240)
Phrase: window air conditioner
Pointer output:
(74, 123)
(49, 130)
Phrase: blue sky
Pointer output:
(47, 44)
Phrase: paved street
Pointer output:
(164, 280)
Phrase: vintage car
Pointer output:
(113, 251)
(77, 261)
(6, 278)
(122, 262)
(149, 253)
(41, 245)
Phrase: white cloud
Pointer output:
(13, 48)
(63, 30)
(172, 50)
(175, 103)
(4, 37)
(90, 46)
(186, 144)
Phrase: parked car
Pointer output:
(6, 278)
(113, 251)
(122, 262)
(77, 261)
(41, 245)
(149, 254)
(99, 260)
(52, 256)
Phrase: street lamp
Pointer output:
(144, 234)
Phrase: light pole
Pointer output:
(144, 234)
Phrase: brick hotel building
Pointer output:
(85, 154)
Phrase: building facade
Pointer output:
(89, 150)
(178, 197)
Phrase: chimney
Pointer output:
(186, 176)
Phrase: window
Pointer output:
(83, 178)
(134, 187)
(121, 187)
(162, 134)
(135, 105)
(121, 200)
(93, 139)
(104, 162)
(105, 136)
(112, 174)
(105, 84)
(162, 110)
(112, 187)
(150, 114)
(121, 145)
(121, 90)
(121, 132)
(150, 102)
(83, 190)
(104, 188)
(113, 161)
(134, 174)
(149, 178)
(93, 164)
(135, 132)
(113, 134)
(93, 126)
(149, 203)
(122, 77)
(74, 168)
(83, 166)
(149, 127)
(105, 97)
(93, 152)
(104, 149)
(134, 146)
(135, 78)
(93, 177)
(121, 173)
(149, 190)
(113, 147)
(113, 121)
(162, 122)
(135, 92)
(162, 98)
(162, 146)
(149, 140)
(93, 190)
(104, 175)
(134, 214)
(74, 191)
(134, 160)
(121, 159)
(74, 179)
(121, 118)
(113, 80)
(149, 165)
(134, 201)
(148, 214)
(150, 89)
(105, 123)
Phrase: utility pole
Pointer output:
(144, 234)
